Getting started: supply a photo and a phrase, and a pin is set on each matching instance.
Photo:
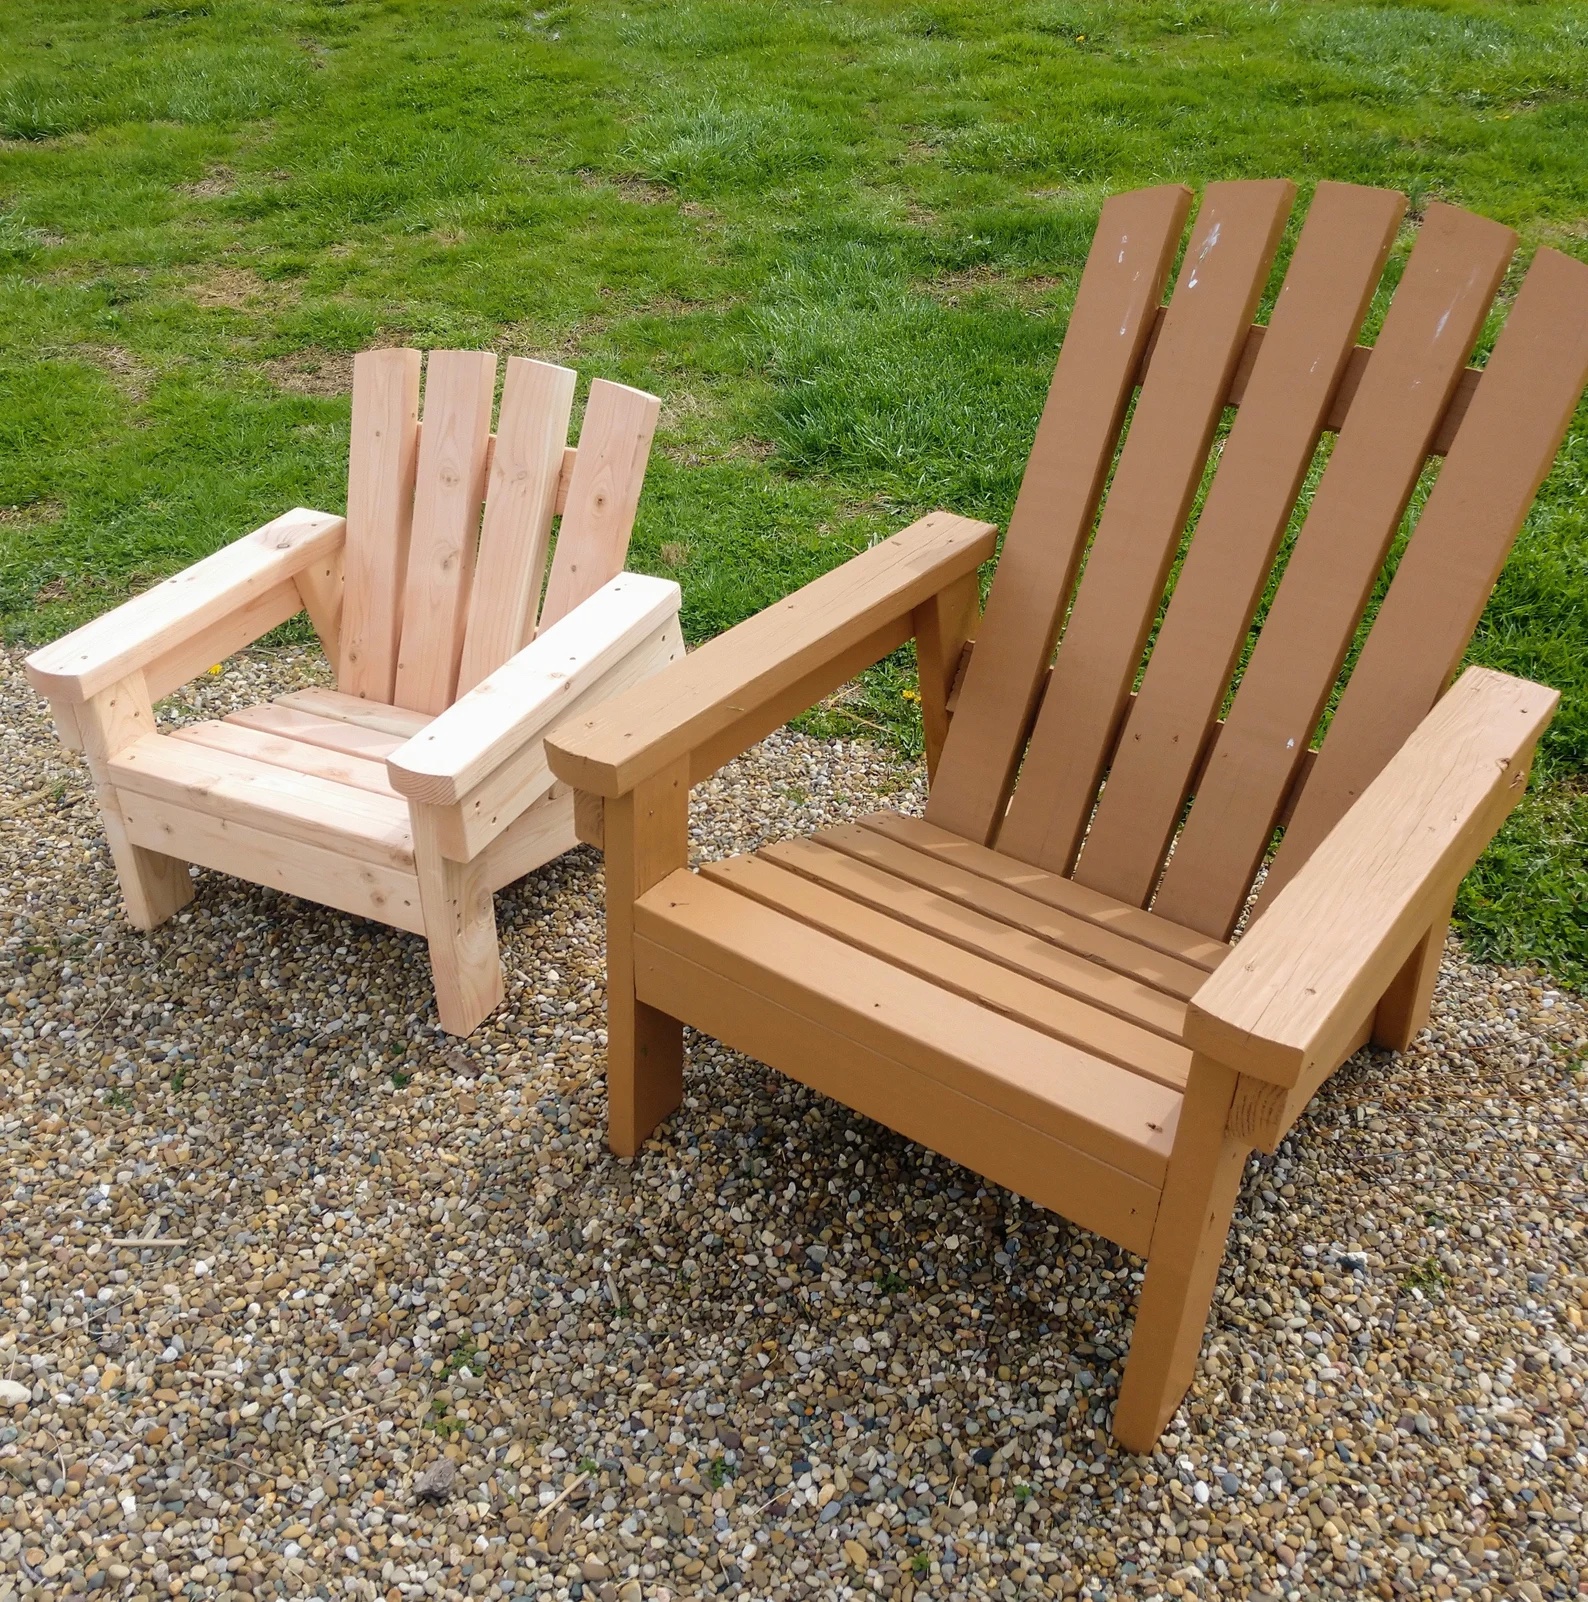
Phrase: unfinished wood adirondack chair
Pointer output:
(419, 786)
(1027, 979)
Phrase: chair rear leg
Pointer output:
(1403, 1013)
(645, 837)
(460, 924)
(1188, 1241)
(153, 885)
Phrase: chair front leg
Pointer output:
(1194, 1213)
(645, 838)
(460, 924)
(153, 885)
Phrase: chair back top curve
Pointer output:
(1075, 748)
(449, 525)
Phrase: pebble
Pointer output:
(780, 1354)
(435, 1484)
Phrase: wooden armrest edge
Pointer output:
(531, 690)
(719, 689)
(1292, 994)
(141, 630)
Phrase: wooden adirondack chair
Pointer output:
(1029, 979)
(418, 787)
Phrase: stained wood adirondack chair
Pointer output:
(419, 786)
(1028, 979)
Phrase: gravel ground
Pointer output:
(415, 1332)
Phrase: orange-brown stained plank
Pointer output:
(448, 494)
(989, 905)
(1117, 916)
(1006, 1149)
(1221, 279)
(1007, 972)
(1070, 1094)
(1517, 420)
(531, 437)
(1436, 314)
(1338, 259)
(1125, 272)
(380, 503)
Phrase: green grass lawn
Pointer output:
(840, 240)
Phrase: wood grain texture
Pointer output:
(521, 496)
(146, 629)
(536, 687)
(1531, 387)
(1331, 278)
(976, 957)
(1124, 276)
(1160, 467)
(522, 775)
(1430, 328)
(1315, 963)
(1125, 1120)
(326, 875)
(297, 806)
(333, 734)
(750, 665)
(337, 706)
(460, 926)
(603, 495)
(382, 459)
(284, 752)
(449, 491)
(1007, 1149)
(154, 879)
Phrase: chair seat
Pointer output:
(996, 1012)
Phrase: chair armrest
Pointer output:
(1290, 998)
(149, 626)
(456, 752)
(738, 687)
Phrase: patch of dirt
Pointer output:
(313, 371)
(29, 514)
(133, 375)
(237, 289)
(216, 182)
(641, 191)
(951, 288)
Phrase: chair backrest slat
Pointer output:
(1428, 333)
(459, 388)
(603, 495)
(1299, 362)
(521, 496)
(1160, 468)
(1507, 442)
(1115, 306)
(382, 458)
